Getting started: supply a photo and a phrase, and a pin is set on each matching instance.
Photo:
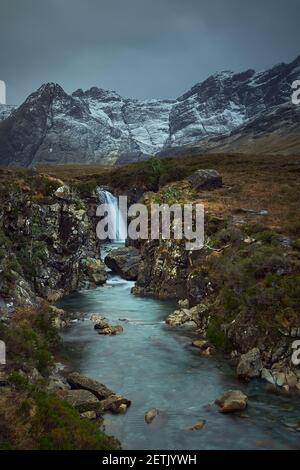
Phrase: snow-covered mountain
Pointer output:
(5, 111)
(97, 125)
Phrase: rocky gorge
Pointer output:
(239, 294)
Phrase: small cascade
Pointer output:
(117, 221)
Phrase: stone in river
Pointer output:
(78, 381)
(151, 415)
(197, 426)
(231, 401)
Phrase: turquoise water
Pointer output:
(154, 366)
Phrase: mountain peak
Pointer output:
(98, 94)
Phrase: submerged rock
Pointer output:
(196, 427)
(231, 401)
(124, 261)
(151, 415)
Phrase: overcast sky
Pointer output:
(140, 48)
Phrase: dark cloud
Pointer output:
(140, 48)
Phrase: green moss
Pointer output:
(215, 334)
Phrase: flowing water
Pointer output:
(154, 366)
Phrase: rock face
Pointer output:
(6, 111)
(55, 246)
(205, 179)
(100, 126)
(232, 401)
(250, 364)
(94, 270)
(124, 261)
(162, 270)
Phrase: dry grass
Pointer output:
(270, 183)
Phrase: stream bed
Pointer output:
(154, 365)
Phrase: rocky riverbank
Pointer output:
(48, 249)
(241, 291)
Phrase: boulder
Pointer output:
(82, 400)
(250, 364)
(231, 401)
(116, 404)
(124, 261)
(151, 415)
(104, 328)
(201, 344)
(78, 381)
(205, 179)
(185, 315)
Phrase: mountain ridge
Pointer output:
(100, 126)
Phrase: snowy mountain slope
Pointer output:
(5, 111)
(97, 125)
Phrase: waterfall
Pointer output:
(117, 221)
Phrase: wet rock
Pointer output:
(205, 179)
(82, 400)
(96, 318)
(116, 404)
(104, 328)
(79, 381)
(201, 344)
(267, 375)
(250, 364)
(124, 261)
(197, 426)
(151, 415)
(232, 401)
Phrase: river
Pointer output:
(154, 366)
